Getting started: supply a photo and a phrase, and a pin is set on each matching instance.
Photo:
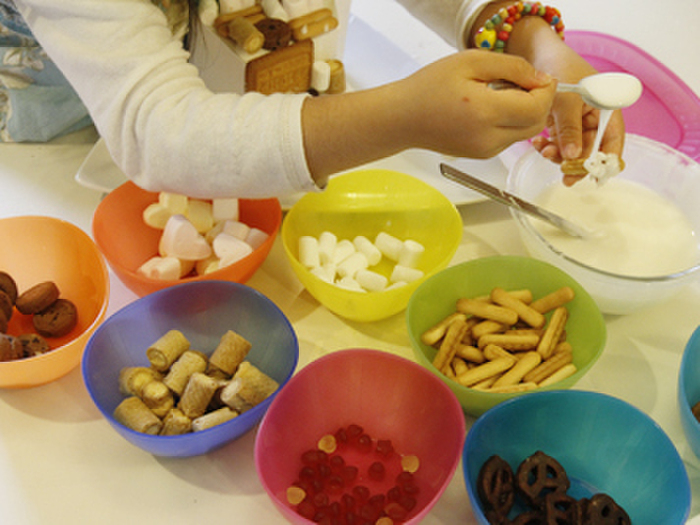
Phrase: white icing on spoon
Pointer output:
(606, 90)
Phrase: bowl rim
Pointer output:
(526, 224)
(241, 418)
(104, 273)
(485, 420)
(683, 375)
(500, 397)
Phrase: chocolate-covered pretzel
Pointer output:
(496, 488)
(602, 509)
(530, 517)
(540, 475)
(562, 509)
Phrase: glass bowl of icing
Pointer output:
(643, 244)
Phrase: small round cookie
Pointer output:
(5, 305)
(277, 33)
(37, 298)
(8, 285)
(33, 344)
(56, 320)
(10, 348)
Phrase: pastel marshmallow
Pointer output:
(223, 209)
(208, 265)
(230, 249)
(308, 251)
(156, 215)
(182, 240)
(161, 268)
(389, 245)
(410, 253)
(237, 229)
(350, 266)
(199, 213)
(256, 238)
(364, 245)
(405, 274)
(371, 281)
(176, 203)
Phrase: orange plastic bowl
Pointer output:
(127, 241)
(37, 249)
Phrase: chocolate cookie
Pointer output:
(33, 344)
(277, 33)
(10, 348)
(37, 298)
(8, 285)
(5, 305)
(56, 320)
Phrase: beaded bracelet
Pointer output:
(496, 31)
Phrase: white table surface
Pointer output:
(61, 463)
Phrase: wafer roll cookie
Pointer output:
(510, 342)
(487, 310)
(448, 347)
(433, 334)
(132, 379)
(547, 367)
(213, 418)
(552, 333)
(134, 414)
(515, 375)
(231, 352)
(176, 423)
(553, 300)
(526, 313)
(197, 395)
(481, 372)
(158, 397)
(242, 31)
(256, 386)
(188, 363)
(166, 350)
(564, 372)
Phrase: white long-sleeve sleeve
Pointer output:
(163, 127)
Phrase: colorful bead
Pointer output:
(497, 29)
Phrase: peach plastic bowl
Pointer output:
(38, 249)
(127, 242)
(389, 396)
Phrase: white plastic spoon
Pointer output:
(606, 90)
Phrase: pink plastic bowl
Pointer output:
(389, 396)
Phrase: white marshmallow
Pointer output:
(403, 273)
(177, 204)
(231, 6)
(208, 10)
(343, 250)
(181, 239)
(296, 8)
(398, 284)
(389, 245)
(223, 209)
(273, 9)
(161, 268)
(199, 214)
(364, 245)
(371, 281)
(324, 273)
(326, 246)
(348, 283)
(350, 266)
(256, 237)
(230, 249)
(156, 215)
(321, 76)
(410, 253)
(308, 251)
(237, 229)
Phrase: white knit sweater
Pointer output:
(163, 127)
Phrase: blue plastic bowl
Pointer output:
(203, 311)
(689, 390)
(603, 443)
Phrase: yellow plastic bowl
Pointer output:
(37, 249)
(368, 202)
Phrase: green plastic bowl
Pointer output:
(367, 202)
(435, 299)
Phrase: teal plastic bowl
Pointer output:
(689, 390)
(435, 299)
(603, 443)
